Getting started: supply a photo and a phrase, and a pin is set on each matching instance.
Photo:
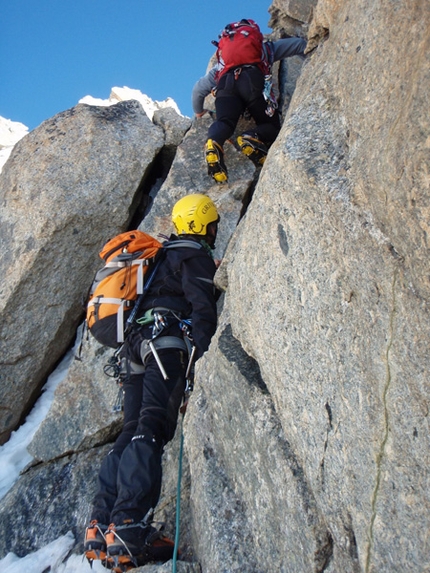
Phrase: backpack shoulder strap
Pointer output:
(182, 243)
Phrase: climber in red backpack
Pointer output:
(241, 80)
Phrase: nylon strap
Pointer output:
(119, 315)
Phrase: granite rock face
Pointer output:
(67, 187)
(307, 435)
(66, 487)
(331, 304)
(291, 17)
(91, 396)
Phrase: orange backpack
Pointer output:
(118, 284)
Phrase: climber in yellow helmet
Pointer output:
(154, 362)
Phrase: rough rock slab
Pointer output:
(175, 126)
(188, 174)
(81, 415)
(181, 567)
(336, 312)
(67, 187)
(246, 477)
(48, 501)
(291, 17)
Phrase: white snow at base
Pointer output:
(13, 454)
(13, 458)
(51, 556)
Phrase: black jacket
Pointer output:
(184, 283)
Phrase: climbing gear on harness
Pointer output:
(114, 369)
(215, 161)
(185, 326)
(269, 96)
(253, 148)
(95, 541)
(162, 318)
(134, 544)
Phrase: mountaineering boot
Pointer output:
(135, 544)
(215, 160)
(253, 148)
(95, 541)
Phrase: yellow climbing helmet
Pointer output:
(192, 214)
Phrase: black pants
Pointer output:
(233, 97)
(130, 475)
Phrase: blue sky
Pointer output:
(54, 52)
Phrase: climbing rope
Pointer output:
(178, 497)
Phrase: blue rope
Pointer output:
(178, 498)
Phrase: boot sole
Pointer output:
(119, 560)
(257, 156)
(216, 172)
(95, 554)
(214, 167)
(120, 564)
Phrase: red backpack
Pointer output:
(241, 43)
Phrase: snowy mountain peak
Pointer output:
(12, 131)
(122, 94)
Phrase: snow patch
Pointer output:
(10, 133)
(14, 456)
(50, 558)
(123, 94)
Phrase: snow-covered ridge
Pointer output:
(12, 131)
(125, 93)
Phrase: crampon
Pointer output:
(95, 542)
(215, 161)
(127, 550)
(253, 148)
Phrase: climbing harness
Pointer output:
(161, 319)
